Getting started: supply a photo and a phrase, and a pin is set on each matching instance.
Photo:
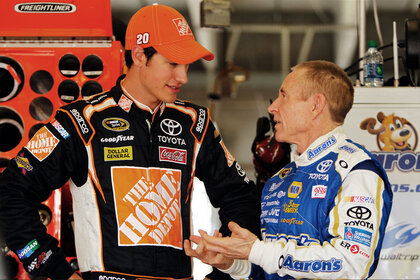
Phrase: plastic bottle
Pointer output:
(373, 66)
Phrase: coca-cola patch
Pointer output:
(173, 155)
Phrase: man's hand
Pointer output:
(220, 251)
(237, 246)
(208, 257)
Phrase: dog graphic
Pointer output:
(394, 132)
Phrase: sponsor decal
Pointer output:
(274, 212)
(119, 138)
(118, 153)
(319, 191)
(331, 265)
(173, 155)
(29, 249)
(271, 203)
(359, 199)
(38, 261)
(171, 127)
(279, 194)
(125, 103)
(182, 26)
(291, 221)
(274, 186)
(143, 38)
(200, 125)
(171, 140)
(284, 172)
(401, 235)
(301, 240)
(42, 143)
(115, 124)
(354, 249)
(229, 158)
(343, 164)
(241, 172)
(358, 235)
(347, 149)
(39, 7)
(359, 223)
(294, 189)
(317, 176)
(104, 277)
(291, 207)
(80, 121)
(322, 147)
(60, 129)
(23, 162)
(359, 212)
(147, 206)
(324, 166)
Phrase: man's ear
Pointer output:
(138, 56)
(319, 103)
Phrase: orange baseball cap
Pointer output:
(166, 30)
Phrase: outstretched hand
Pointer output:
(237, 246)
(220, 251)
(208, 257)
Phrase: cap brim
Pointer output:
(184, 52)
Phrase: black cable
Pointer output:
(400, 44)
(360, 69)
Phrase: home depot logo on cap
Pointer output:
(166, 30)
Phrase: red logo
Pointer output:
(354, 249)
(172, 155)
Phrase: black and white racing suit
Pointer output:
(131, 176)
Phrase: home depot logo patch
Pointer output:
(42, 144)
(125, 103)
(147, 205)
(182, 26)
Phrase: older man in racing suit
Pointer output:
(324, 214)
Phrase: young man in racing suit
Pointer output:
(131, 155)
(324, 214)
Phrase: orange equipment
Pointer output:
(51, 53)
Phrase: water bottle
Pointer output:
(373, 66)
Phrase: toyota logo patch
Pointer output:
(171, 127)
(324, 166)
(359, 212)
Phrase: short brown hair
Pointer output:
(329, 79)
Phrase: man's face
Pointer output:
(291, 112)
(161, 80)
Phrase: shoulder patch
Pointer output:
(76, 112)
(42, 143)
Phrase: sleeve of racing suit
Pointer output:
(227, 186)
(353, 256)
(44, 164)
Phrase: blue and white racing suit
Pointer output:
(323, 215)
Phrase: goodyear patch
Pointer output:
(115, 124)
(29, 249)
(42, 144)
(23, 162)
(118, 153)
